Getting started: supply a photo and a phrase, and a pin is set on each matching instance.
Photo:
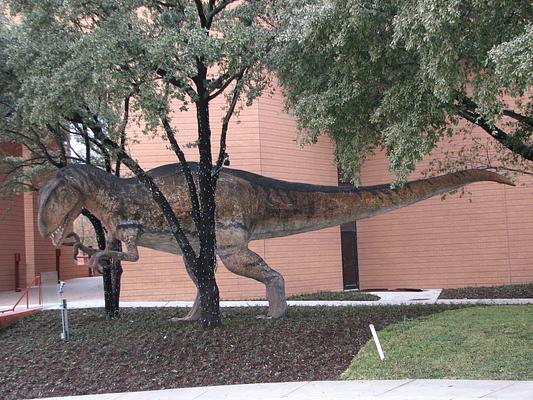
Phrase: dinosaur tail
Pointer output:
(375, 200)
(308, 208)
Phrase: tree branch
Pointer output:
(193, 193)
(87, 147)
(519, 117)
(148, 183)
(122, 133)
(201, 13)
(46, 153)
(223, 85)
(178, 83)
(104, 151)
(99, 229)
(225, 122)
(25, 163)
(60, 144)
(215, 10)
(502, 137)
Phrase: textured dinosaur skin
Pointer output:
(249, 207)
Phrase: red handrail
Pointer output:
(35, 282)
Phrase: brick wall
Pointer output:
(19, 234)
(261, 140)
(11, 242)
(11, 234)
(479, 239)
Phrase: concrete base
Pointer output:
(49, 278)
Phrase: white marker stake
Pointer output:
(376, 340)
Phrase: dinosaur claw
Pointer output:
(186, 318)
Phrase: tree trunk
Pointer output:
(108, 289)
(116, 275)
(209, 294)
(206, 261)
(111, 274)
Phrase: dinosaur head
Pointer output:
(59, 205)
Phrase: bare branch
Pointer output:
(122, 132)
(146, 180)
(26, 163)
(519, 117)
(201, 13)
(45, 153)
(60, 142)
(223, 85)
(193, 193)
(178, 83)
(216, 9)
(225, 122)
(502, 137)
(103, 149)
(87, 146)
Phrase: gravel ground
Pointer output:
(522, 291)
(144, 350)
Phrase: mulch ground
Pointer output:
(336, 296)
(144, 350)
(521, 291)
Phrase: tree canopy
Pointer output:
(91, 68)
(400, 74)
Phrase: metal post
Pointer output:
(17, 272)
(58, 256)
(65, 334)
(40, 290)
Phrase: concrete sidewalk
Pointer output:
(88, 293)
(423, 389)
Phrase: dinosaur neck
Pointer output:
(101, 190)
(311, 211)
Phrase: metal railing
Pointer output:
(26, 293)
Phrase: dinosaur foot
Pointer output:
(277, 313)
(186, 318)
(194, 314)
(277, 304)
(273, 314)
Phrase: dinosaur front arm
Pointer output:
(77, 245)
(127, 233)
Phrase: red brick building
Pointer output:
(19, 235)
(480, 239)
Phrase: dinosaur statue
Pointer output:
(249, 207)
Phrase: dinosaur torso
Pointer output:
(249, 206)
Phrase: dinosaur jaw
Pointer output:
(57, 235)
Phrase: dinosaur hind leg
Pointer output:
(195, 312)
(244, 262)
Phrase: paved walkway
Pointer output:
(88, 293)
(423, 389)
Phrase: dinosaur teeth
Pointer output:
(57, 235)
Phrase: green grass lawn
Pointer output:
(493, 342)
